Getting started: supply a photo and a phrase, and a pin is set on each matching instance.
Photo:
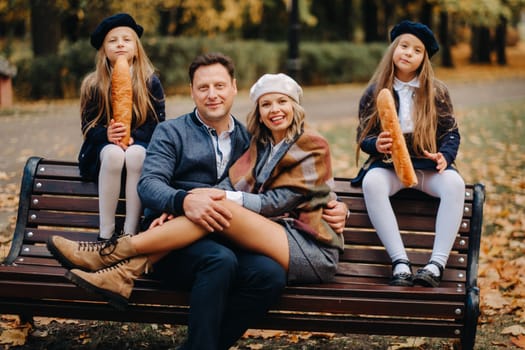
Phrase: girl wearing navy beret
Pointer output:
(428, 124)
(103, 157)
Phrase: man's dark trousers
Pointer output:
(230, 290)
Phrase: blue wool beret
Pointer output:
(117, 20)
(421, 31)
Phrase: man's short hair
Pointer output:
(212, 58)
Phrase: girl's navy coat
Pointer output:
(447, 135)
(97, 136)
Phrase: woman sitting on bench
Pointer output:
(284, 175)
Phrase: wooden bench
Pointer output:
(53, 200)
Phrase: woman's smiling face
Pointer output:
(276, 113)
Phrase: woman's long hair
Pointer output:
(261, 133)
(97, 85)
(425, 111)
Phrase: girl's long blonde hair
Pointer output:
(425, 110)
(97, 84)
(260, 132)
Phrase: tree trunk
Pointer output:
(346, 23)
(45, 27)
(389, 20)
(446, 57)
(370, 21)
(294, 63)
(480, 45)
(500, 41)
(426, 14)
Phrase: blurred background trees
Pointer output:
(48, 39)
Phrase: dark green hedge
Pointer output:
(321, 63)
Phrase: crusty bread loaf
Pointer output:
(122, 95)
(389, 122)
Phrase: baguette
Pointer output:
(122, 96)
(389, 122)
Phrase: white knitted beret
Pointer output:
(280, 83)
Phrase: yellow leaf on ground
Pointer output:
(410, 343)
(514, 330)
(10, 318)
(255, 346)
(494, 299)
(15, 336)
(499, 343)
(263, 333)
(293, 338)
(44, 321)
(167, 332)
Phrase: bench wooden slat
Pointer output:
(66, 219)
(349, 281)
(54, 200)
(77, 188)
(371, 256)
(372, 306)
(403, 206)
(405, 222)
(63, 203)
(363, 257)
(25, 261)
(410, 240)
(384, 269)
(61, 170)
(351, 287)
(371, 325)
(40, 235)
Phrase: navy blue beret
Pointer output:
(419, 30)
(117, 20)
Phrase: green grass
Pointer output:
(493, 144)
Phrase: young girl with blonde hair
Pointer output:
(428, 124)
(103, 157)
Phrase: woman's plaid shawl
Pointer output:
(304, 168)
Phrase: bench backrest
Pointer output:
(54, 200)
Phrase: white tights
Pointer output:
(379, 184)
(112, 159)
